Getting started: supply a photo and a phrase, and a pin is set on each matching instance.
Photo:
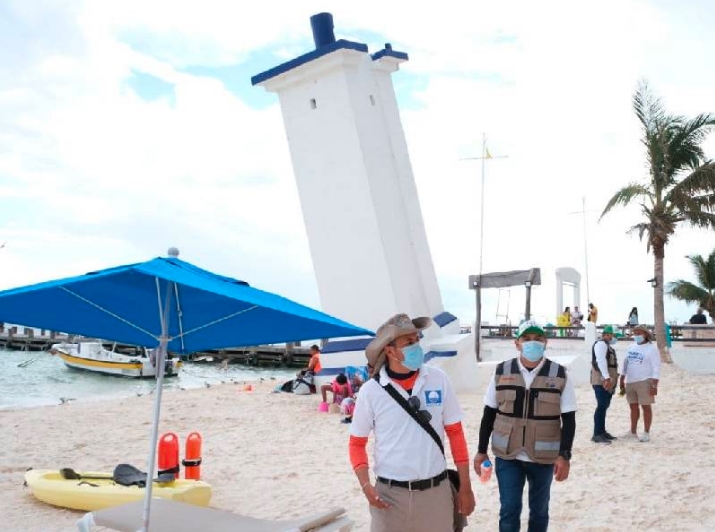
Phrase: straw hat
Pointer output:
(398, 325)
(644, 329)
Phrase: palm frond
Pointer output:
(662, 220)
(625, 196)
(641, 229)
(698, 218)
(704, 270)
(700, 181)
(648, 108)
(698, 264)
(690, 134)
(686, 291)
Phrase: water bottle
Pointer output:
(486, 468)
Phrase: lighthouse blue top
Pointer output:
(325, 43)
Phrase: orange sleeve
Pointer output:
(358, 452)
(457, 442)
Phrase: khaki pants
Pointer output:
(431, 510)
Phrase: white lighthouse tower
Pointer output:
(358, 195)
(359, 200)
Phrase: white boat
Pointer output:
(92, 356)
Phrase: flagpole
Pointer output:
(481, 221)
(478, 285)
(583, 212)
(585, 249)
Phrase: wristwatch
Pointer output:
(565, 454)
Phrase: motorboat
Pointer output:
(128, 362)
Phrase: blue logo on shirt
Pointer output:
(433, 397)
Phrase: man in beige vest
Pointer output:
(604, 376)
(530, 414)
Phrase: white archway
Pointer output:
(567, 276)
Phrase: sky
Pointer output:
(127, 127)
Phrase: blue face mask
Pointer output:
(639, 339)
(613, 341)
(533, 350)
(414, 356)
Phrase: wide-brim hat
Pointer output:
(642, 328)
(398, 325)
(608, 329)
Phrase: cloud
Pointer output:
(93, 172)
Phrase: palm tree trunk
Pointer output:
(659, 253)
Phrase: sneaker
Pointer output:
(645, 437)
(630, 436)
(600, 438)
(609, 436)
(346, 420)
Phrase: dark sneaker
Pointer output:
(600, 438)
(609, 436)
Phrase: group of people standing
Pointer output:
(574, 318)
(412, 409)
(639, 377)
(529, 416)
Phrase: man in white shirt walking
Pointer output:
(411, 491)
(639, 379)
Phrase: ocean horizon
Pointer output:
(32, 379)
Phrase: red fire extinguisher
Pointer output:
(192, 459)
(168, 461)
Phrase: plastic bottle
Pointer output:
(486, 468)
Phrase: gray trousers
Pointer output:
(431, 510)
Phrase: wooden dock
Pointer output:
(288, 355)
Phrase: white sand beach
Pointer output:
(274, 456)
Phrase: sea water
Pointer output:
(30, 379)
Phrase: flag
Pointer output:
(489, 155)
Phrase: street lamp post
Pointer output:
(527, 312)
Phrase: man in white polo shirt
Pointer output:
(530, 414)
(411, 492)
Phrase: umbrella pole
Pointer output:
(153, 439)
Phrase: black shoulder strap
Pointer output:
(405, 405)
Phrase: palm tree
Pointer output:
(703, 295)
(680, 188)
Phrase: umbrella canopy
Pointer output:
(168, 303)
(203, 310)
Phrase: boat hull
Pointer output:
(95, 358)
(96, 494)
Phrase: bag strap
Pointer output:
(390, 389)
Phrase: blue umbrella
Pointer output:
(168, 303)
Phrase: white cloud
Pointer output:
(92, 175)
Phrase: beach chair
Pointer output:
(172, 516)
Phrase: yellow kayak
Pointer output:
(90, 493)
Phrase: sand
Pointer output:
(274, 456)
